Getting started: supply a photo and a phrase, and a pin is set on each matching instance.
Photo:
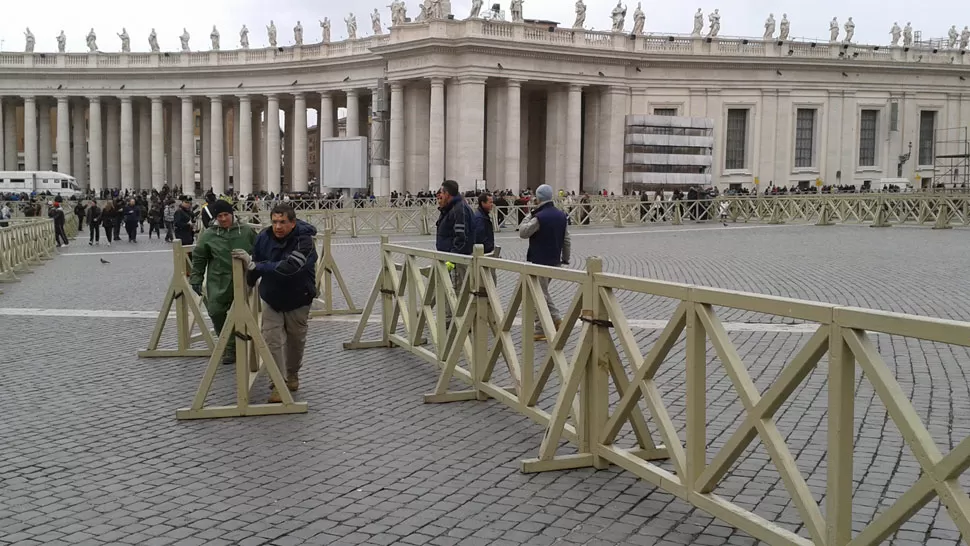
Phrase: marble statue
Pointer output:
(125, 41)
(153, 42)
(715, 19)
(698, 23)
(244, 37)
(516, 9)
(476, 9)
(580, 14)
(908, 34)
(619, 16)
(399, 12)
(351, 27)
(639, 18)
(422, 13)
(769, 27)
(298, 34)
(271, 33)
(375, 22)
(849, 31)
(834, 30)
(214, 36)
(433, 9)
(964, 37)
(184, 38)
(61, 42)
(895, 32)
(29, 46)
(952, 37)
(325, 28)
(785, 27)
(92, 40)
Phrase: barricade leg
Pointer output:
(327, 272)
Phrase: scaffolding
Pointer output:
(951, 162)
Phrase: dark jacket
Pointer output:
(484, 231)
(130, 212)
(454, 226)
(58, 215)
(287, 267)
(183, 222)
(548, 240)
(94, 214)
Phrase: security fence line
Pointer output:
(423, 314)
(27, 242)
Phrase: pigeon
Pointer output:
(105, 261)
(725, 224)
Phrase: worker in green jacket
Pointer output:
(212, 255)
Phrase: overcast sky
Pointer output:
(738, 18)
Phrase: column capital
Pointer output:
(463, 80)
(438, 81)
(125, 99)
(326, 94)
(272, 96)
(243, 98)
(513, 82)
(96, 99)
(299, 95)
(214, 98)
(155, 98)
(575, 87)
(186, 100)
(30, 98)
(397, 85)
(353, 92)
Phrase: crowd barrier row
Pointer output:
(606, 363)
(28, 242)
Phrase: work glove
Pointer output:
(197, 288)
(246, 259)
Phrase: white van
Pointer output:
(903, 185)
(39, 181)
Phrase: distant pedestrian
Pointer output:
(484, 230)
(132, 217)
(108, 217)
(546, 230)
(55, 213)
(79, 214)
(168, 216)
(183, 224)
(5, 215)
(155, 214)
(94, 224)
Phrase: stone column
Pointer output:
(80, 146)
(471, 147)
(205, 138)
(217, 162)
(574, 135)
(396, 159)
(63, 137)
(94, 142)
(3, 137)
(144, 147)
(436, 140)
(113, 177)
(300, 182)
(46, 160)
(353, 114)
(236, 128)
(325, 119)
(288, 148)
(259, 148)
(175, 147)
(188, 146)
(127, 143)
(272, 157)
(31, 162)
(513, 132)
(10, 140)
(244, 185)
(158, 144)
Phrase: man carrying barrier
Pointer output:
(284, 257)
(212, 261)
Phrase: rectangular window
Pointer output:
(736, 141)
(867, 138)
(805, 137)
(198, 147)
(665, 111)
(927, 130)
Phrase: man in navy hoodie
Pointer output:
(549, 245)
(285, 258)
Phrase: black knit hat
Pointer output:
(220, 206)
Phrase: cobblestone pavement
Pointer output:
(90, 452)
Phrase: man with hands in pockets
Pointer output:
(549, 244)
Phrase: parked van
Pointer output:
(39, 181)
(901, 185)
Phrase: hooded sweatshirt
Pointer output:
(211, 260)
(287, 267)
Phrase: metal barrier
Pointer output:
(607, 362)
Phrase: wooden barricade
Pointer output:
(24, 243)
(252, 359)
(188, 312)
(328, 272)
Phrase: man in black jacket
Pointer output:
(484, 231)
(285, 258)
(94, 223)
(58, 215)
(183, 222)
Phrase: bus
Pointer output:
(39, 181)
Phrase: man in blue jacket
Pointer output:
(456, 232)
(549, 244)
(285, 258)
(484, 231)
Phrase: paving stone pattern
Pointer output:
(90, 452)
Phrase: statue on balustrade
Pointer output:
(639, 18)
(618, 15)
(952, 37)
(325, 28)
(834, 30)
(422, 13)
(184, 38)
(244, 37)
(375, 22)
(769, 27)
(435, 10)
(908, 34)
(849, 31)
(476, 9)
(785, 27)
(153, 42)
(298, 34)
(92, 40)
(399, 12)
(698, 23)
(580, 14)
(271, 33)
(214, 36)
(29, 46)
(516, 8)
(715, 19)
(964, 37)
(61, 42)
(351, 27)
(895, 32)
(125, 41)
